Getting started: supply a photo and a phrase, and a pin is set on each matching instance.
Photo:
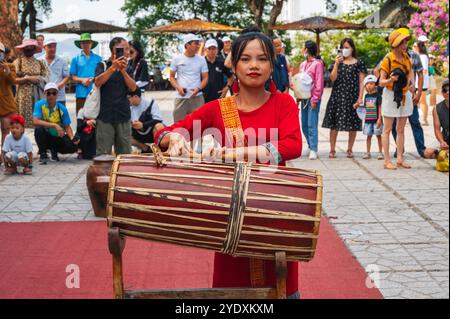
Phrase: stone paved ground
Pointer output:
(397, 222)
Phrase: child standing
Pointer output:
(17, 148)
(373, 124)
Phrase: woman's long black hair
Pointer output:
(140, 51)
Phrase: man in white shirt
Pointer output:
(59, 70)
(189, 76)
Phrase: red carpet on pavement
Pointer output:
(34, 257)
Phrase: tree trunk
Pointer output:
(10, 32)
(274, 14)
(257, 9)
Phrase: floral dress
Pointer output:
(340, 114)
(28, 93)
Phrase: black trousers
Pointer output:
(45, 141)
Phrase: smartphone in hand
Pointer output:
(120, 52)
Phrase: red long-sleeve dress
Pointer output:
(279, 112)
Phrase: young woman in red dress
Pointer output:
(259, 112)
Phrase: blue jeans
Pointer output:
(417, 130)
(310, 122)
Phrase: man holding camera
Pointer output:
(113, 121)
(52, 126)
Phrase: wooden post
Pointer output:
(318, 41)
(281, 272)
(116, 245)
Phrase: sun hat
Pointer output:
(51, 86)
(29, 43)
(191, 37)
(85, 37)
(397, 36)
(211, 43)
(226, 39)
(370, 78)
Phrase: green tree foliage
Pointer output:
(144, 14)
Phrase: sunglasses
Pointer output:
(52, 93)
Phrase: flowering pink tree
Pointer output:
(431, 19)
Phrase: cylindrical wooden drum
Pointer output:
(238, 209)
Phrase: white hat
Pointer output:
(50, 41)
(226, 39)
(423, 38)
(191, 37)
(51, 86)
(211, 43)
(2, 47)
(370, 78)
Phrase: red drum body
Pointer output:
(238, 209)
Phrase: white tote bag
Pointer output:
(303, 84)
(92, 104)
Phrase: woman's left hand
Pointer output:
(358, 104)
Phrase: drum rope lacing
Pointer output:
(237, 207)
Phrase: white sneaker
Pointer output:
(313, 156)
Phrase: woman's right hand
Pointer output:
(178, 146)
(339, 59)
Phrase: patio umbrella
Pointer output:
(319, 25)
(84, 26)
(192, 26)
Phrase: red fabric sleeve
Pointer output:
(289, 142)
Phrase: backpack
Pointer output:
(92, 104)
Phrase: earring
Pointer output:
(235, 87)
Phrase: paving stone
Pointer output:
(387, 257)
(436, 212)
(365, 234)
(430, 256)
(350, 214)
(411, 285)
(28, 204)
(414, 232)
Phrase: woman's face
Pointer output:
(133, 53)
(253, 68)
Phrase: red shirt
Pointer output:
(280, 112)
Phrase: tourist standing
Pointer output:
(82, 68)
(189, 76)
(347, 95)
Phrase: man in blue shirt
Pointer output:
(52, 126)
(82, 68)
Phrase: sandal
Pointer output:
(380, 157)
(332, 154)
(10, 171)
(27, 171)
(367, 156)
(404, 165)
(350, 154)
(390, 166)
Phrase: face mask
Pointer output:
(28, 53)
(347, 52)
